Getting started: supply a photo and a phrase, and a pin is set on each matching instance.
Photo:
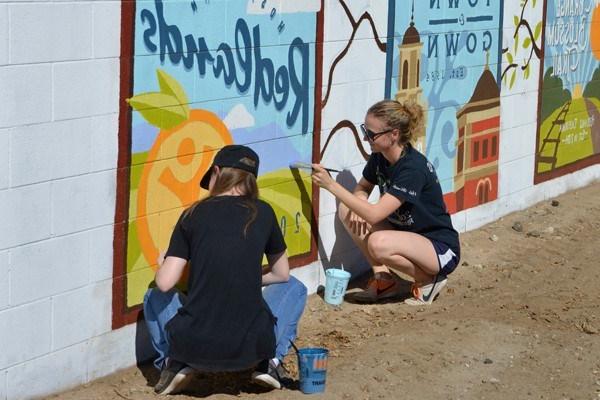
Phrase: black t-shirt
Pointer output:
(224, 325)
(413, 180)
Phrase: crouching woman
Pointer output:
(409, 228)
(225, 323)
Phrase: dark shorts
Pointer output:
(447, 260)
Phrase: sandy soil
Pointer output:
(519, 319)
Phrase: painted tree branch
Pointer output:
(507, 69)
(534, 47)
(346, 124)
(355, 25)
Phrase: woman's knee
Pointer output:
(378, 245)
(297, 286)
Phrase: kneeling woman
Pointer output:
(409, 228)
(225, 323)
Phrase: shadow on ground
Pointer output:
(208, 384)
(359, 283)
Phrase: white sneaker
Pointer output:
(272, 378)
(426, 294)
(174, 378)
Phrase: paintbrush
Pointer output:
(303, 165)
(294, 346)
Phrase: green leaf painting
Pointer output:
(158, 109)
(523, 47)
(165, 109)
(169, 85)
(538, 30)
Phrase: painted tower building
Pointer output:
(409, 88)
(478, 122)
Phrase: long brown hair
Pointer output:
(228, 179)
(406, 117)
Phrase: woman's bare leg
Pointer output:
(408, 252)
(360, 237)
(383, 285)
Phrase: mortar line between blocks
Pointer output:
(52, 92)
(52, 349)
(9, 305)
(8, 32)
(9, 133)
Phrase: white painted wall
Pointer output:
(59, 89)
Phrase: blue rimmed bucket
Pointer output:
(336, 282)
(312, 367)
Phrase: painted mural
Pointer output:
(569, 112)
(523, 41)
(197, 76)
(339, 63)
(447, 57)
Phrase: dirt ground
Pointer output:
(519, 319)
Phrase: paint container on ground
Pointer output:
(336, 282)
(312, 367)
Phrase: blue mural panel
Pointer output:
(204, 74)
(446, 56)
(569, 114)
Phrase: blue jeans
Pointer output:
(286, 301)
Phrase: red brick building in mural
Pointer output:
(478, 122)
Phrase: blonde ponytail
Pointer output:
(407, 117)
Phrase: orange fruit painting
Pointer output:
(180, 155)
(170, 179)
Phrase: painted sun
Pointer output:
(595, 32)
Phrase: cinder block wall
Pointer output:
(59, 87)
(59, 111)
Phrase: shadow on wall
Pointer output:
(344, 252)
(144, 352)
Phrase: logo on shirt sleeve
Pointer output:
(401, 218)
(405, 190)
(382, 182)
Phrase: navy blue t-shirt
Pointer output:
(413, 180)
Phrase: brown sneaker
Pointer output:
(381, 286)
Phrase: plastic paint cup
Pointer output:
(336, 282)
(312, 367)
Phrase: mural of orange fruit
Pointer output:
(181, 154)
(595, 32)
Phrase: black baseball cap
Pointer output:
(233, 156)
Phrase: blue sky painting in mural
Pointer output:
(567, 42)
(229, 60)
(459, 37)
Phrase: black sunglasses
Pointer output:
(370, 135)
